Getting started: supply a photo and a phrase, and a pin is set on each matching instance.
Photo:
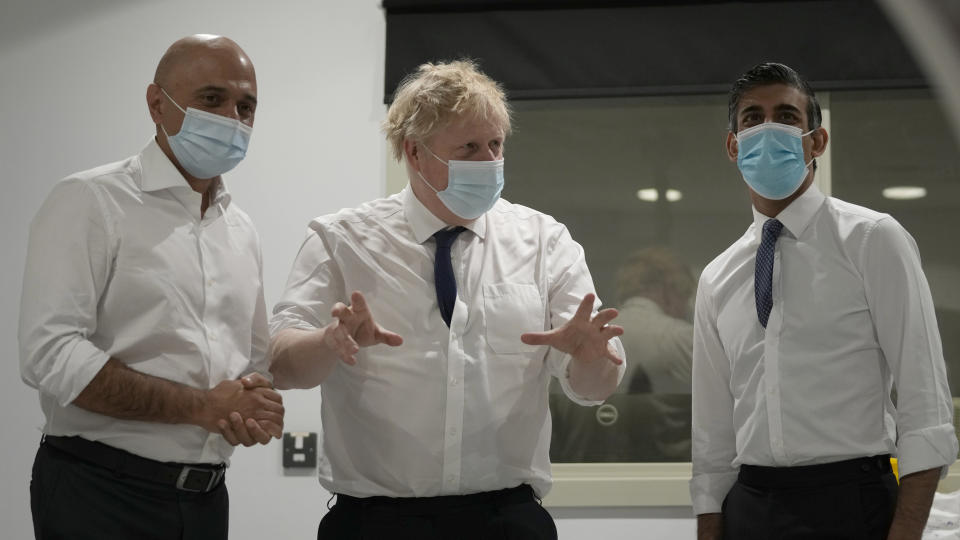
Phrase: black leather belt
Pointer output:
(814, 475)
(439, 504)
(197, 478)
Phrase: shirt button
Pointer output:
(450, 478)
(213, 336)
(453, 432)
(453, 381)
(209, 283)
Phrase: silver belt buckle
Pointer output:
(215, 475)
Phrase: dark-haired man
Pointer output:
(803, 327)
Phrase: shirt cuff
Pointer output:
(565, 378)
(282, 321)
(565, 384)
(707, 491)
(82, 365)
(927, 448)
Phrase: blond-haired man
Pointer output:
(461, 308)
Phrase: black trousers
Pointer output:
(71, 498)
(509, 514)
(847, 500)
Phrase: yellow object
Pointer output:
(896, 472)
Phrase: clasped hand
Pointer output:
(248, 411)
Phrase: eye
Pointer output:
(245, 109)
(751, 119)
(210, 100)
(789, 118)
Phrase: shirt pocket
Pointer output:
(511, 309)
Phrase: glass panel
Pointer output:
(892, 138)
(585, 162)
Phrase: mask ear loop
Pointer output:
(175, 104)
(435, 190)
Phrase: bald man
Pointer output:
(142, 320)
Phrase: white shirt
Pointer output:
(852, 314)
(451, 411)
(120, 264)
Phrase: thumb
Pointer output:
(536, 338)
(388, 337)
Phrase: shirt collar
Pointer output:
(797, 215)
(424, 223)
(158, 172)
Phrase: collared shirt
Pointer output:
(451, 411)
(852, 315)
(120, 264)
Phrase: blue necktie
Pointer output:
(763, 278)
(443, 278)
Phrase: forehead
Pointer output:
(215, 68)
(468, 128)
(770, 96)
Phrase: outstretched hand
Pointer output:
(355, 328)
(583, 337)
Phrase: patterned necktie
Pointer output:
(763, 277)
(443, 278)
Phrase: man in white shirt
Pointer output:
(462, 307)
(142, 308)
(802, 328)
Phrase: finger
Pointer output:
(613, 357)
(265, 418)
(269, 394)
(236, 423)
(604, 317)
(538, 338)
(258, 434)
(340, 346)
(388, 337)
(586, 308)
(268, 403)
(358, 303)
(227, 433)
(340, 311)
(610, 332)
(256, 380)
(275, 430)
(348, 347)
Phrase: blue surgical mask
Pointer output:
(208, 144)
(473, 187)
(770, 157)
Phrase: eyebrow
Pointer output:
(221, 90)
(779, 108)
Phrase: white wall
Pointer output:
(72, 81)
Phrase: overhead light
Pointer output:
(903, 193)
(653, 194)
(648, 194)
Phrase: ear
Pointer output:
(155, 102)
(733, 147)
(411, 150)
(820, 137)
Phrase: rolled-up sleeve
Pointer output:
(69, 257)
(713, 435)
(569, 282)
(903, 312)
(315, 284)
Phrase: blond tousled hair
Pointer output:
(429, 99)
